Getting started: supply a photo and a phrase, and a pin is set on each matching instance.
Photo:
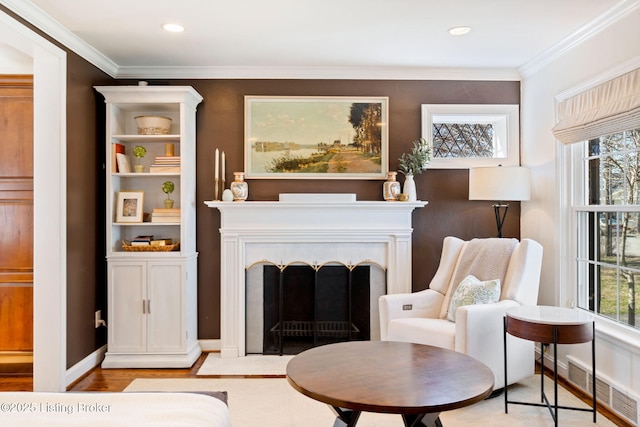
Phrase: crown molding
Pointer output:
(34, 15)
(624, 68)
(38, 18)
(579, 36)
(320, 73)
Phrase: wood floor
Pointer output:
(117, 380)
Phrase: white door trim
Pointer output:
(50, 203)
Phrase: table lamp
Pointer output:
(500, 184)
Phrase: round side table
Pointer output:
(550, 325)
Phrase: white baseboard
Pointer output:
(94, 359)
(85, 365)
(211, 345)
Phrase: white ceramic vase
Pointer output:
(410, 188)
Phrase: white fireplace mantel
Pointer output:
(313, 232)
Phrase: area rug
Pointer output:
(272, 402)
(248, 365)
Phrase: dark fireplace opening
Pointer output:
(305, 307)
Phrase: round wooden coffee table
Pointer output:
(413, 380)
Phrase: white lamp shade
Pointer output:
(499, 183)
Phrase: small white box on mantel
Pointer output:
(317, 197)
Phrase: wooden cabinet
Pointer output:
(16, 213)
(152, 295)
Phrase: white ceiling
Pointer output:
(324, 35)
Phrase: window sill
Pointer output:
(620, 335)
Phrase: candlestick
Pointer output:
(216, 174)
(223, 166)
(217, 157)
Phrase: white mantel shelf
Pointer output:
(322, 215)
(315, 232)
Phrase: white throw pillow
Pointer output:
(472, 291)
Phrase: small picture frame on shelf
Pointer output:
(130, 206)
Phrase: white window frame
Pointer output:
(505, 119)
(576, 195)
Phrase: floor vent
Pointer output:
(578, 376)
(603, 391)
(607, 394)
(624, 404)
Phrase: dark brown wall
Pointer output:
(220, 124)
(86, 272)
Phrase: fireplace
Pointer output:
(312, 230)
(296, 307)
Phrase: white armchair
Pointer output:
(421, 317)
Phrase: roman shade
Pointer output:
(611, 107)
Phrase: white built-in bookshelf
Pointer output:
(152, 293)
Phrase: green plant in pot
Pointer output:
(139, 152)
(167, 188)
(414, 163)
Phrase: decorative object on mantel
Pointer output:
(219, 177)
(414, 163)
(409, 189)
(227, 195)
(391, 187)
(239, 187)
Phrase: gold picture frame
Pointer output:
(316, 137)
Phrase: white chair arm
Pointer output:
(472, 320)
(424, 303)
(476, 323)
(480, 334)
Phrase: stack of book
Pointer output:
(161, 242)
(142, 241)
(166, 164)
(165, 215)
(150, 241)
(119, 161)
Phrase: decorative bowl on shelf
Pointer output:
(153, 125)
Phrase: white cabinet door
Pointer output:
(127, 298)
(166, 328)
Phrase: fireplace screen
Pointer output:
(305, 306)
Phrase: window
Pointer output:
(471, 135)
(607, 209)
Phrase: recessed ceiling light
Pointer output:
(458, 31)
(174, 28)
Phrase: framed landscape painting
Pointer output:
(316, 137)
